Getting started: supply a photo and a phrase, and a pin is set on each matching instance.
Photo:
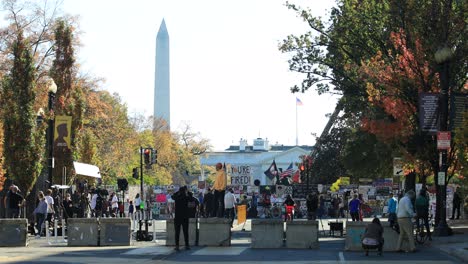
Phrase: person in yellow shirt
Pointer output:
(219, 191)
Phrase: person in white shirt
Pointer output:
(114, 204)
(405, 213)
(50, 205)
(138, 214)
(230, 204)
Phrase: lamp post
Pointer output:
(52, 87)
(442, 57)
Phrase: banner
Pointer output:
(62, 131)
(241, 214)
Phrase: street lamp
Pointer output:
(52, 88)
(443, 57)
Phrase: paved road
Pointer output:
(331, 251)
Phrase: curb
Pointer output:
(458, 250)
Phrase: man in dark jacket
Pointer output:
(456, 204)
(312, 205)
(181, 217)
(208, 202)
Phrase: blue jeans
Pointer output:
(39, 220)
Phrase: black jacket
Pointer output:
(181, 205)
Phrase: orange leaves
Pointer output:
(392, 82)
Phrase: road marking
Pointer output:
(150, 251)
(213, 251)
(341, 256)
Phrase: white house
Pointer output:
(253, 160)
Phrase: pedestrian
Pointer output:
(121, 209)
(201, 207)
(362, 206)
(193, 206)
(312, 205)
(456, 204)
(373, 236)
(137, 206)
(354, 207)
(181, 217)
(422, 210)
(16, 202)
(170, 206)
(289, 202)
(50, 205)
(219, 190)
(68, 207)
(405, 213)
(114, 204)
(6, 201)
(40, 212)
(230, 205)
(131, 209)
(392, 205)
(208, 203)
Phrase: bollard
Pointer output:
(55, 230)
(154, 231)
(47, 230)
(63, 231)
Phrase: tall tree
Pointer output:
(69, 97)
(23, 140)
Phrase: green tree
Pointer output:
(23, 139)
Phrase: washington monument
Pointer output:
(162, 95)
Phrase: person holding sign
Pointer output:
(219, 190)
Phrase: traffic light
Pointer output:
(135, 173)
(154, 156)
(301, 167)
(147, 153)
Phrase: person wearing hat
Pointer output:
(219, 191)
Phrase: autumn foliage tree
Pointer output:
(23, 139)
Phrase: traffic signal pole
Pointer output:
(141, 173)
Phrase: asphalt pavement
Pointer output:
(451, 249)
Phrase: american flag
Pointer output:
(289, 171)
(298, 101)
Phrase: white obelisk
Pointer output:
(162, 95)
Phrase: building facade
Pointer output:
(253, 160)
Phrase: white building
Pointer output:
(256, 157)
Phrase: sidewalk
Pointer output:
(457, 244)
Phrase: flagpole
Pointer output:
(297, 138)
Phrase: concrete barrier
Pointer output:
(355, 230)
(13, 232)
(83, 232)
(192, 230)
(302, 234)
(115, 231)
(214, 232)
(267, 233)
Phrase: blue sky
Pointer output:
(228, 79)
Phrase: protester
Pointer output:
(40, 212)
(219, 191)
(392, 205)
(456, 204)
(181, 217)
(312, 205)
(422, 210)
(208, 203)
(354, 207)
(405, 213)
(230, 205)
(373, 236)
